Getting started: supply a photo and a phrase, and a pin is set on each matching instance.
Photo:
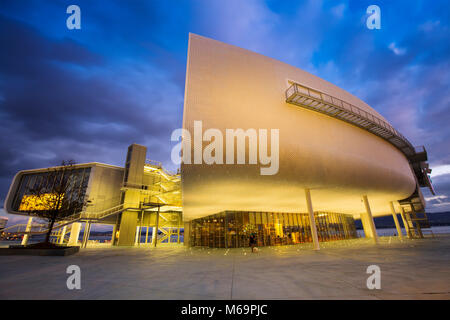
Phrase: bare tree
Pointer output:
(57, 195)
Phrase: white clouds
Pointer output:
(438, 202)
(441, 204)
(440, 170)
(398, 51)
(438, 198)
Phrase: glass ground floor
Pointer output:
(231, 229)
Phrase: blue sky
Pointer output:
(87, 94)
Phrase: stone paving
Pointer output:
(410, 269)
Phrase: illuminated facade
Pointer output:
(139, 198)
(231, 229)
(336, 153)
(339, 160)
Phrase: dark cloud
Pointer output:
(60, 100)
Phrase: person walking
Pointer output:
(252, 242)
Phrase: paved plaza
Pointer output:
(410, 269)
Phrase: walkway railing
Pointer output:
(21, 228)
(84, 215)
(168, 186)
(318, 101)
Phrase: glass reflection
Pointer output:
(232, 229)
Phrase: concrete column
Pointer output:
(405, 222)
(187, 233)
(128, 224)
(86, 233)
(62, 235)
(154, 232)
(113, 236)
(138, 235)
(74, 234)
(27, 229)
(133, 177)
(369, 221)
(312, 222)
(397, 224)
(155, 229)
(366, 229)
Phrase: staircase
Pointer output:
(414, 216)
(165, 191)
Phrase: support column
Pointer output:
(140, 227)
(138, 235)
(113, 236)
(154, 232)
(187, 233)
(127, 231)
(146, 234)
(62, 235)
(26, 236)
(405, 222)
(133, 176)
(312, 222)
(74, 234)
(155, 229)
(363, 217)
(397, 224)
(369, 220)
(87, 231)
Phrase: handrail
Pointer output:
(112, 205)
(157, 165)
(101, 214)
(23, 226)
(69, 220)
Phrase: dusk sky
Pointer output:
(87, 94)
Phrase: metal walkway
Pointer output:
(318, 101)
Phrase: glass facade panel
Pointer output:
(79, 179)
(231, 229)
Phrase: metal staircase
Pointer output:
(84, 216)
(414, 216)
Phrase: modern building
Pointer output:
(139, 198)
(338, 157)
(333, 159)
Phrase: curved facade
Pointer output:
(229, 88)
